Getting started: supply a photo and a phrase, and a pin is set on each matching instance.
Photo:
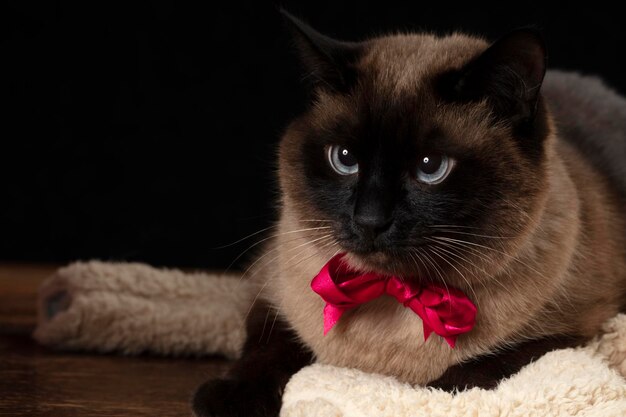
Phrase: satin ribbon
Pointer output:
(447, 312)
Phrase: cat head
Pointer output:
(420, 155)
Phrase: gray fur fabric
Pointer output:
(592, 116)
(133, 308)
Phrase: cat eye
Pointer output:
(433, 168)
(342, 160)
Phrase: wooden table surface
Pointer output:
(36, 381)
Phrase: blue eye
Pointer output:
(433, 168)
(342, 160)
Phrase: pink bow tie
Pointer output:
(447, 312)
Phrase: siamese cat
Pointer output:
(441, 160)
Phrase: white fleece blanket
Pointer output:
(132, 308)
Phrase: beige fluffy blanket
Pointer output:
(133, 308)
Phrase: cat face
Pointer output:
(425, 156)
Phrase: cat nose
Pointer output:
(374, 206)
(373, 224)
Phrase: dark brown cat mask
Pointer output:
(416, 150)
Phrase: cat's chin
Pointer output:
(378, 261)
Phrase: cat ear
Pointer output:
(508, 74)
(329, 62)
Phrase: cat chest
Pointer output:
(381, 336)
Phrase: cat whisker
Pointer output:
(451, 226)
(420, 260)
(446, 259)
(332, 243)
(288, 250)
(461, 248)
(269, 334)
(437, 269)
(459, 253)
(315, 220)
(290, 265)
(275, 236)
(246, 237)
(512, 258)
(495, 279)
(416, 257)
(463, 259)
(267, 315)
(476, 234)
(494, 250)
(417, 268)
(268, 252)
(484, 257)
(254, 300)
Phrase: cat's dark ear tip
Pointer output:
(528, 46)
(297, 27)
(291, 21)
(284, 13)
(530, 36)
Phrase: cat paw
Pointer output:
(459, 385)
(445, 386)
(236, 398)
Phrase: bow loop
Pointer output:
(445, 311)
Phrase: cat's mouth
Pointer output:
(385, 262)
(374, 262)
(385, 256)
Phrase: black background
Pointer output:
(148, 132)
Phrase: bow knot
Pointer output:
(445, 311)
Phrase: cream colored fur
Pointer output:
(132, 308)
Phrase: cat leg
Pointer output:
(254, 386)
(486, 371)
